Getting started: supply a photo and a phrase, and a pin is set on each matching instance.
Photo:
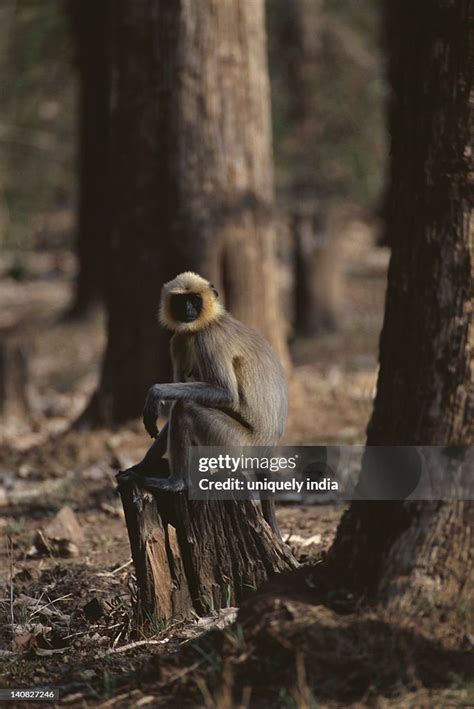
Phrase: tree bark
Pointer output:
(392, 41)
(192, 183)
(90, 28)
(406, 553)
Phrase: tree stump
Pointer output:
(194, 556)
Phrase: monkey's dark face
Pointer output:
(189, 303)
(186, 307)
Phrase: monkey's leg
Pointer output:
(180, 438)
(152, 461)
(192, 423)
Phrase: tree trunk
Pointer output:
(300, 40)
(90, 25)
(317, 269)
(192, 185)
(392, 42)
(15, 397)
(406, 553)
(318, 274)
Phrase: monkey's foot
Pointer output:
(171, 484)
(150, 482)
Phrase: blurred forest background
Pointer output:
(282, 149)
(328, 93)
(328, 96)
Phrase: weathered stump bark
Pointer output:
(192, 556)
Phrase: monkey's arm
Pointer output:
(200, 392)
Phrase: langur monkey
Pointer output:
(229, 388)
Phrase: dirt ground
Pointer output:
(66, 613)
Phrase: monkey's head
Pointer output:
(189, 303)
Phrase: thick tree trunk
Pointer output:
(192, 180)
(90, 23)
(225, 186)
(408, 553)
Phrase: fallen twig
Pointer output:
(131, 646)
(51, 603)
(115, 571)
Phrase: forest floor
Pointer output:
(66, 613)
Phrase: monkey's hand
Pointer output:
(151, 410)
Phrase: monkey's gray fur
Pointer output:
(229, 388)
